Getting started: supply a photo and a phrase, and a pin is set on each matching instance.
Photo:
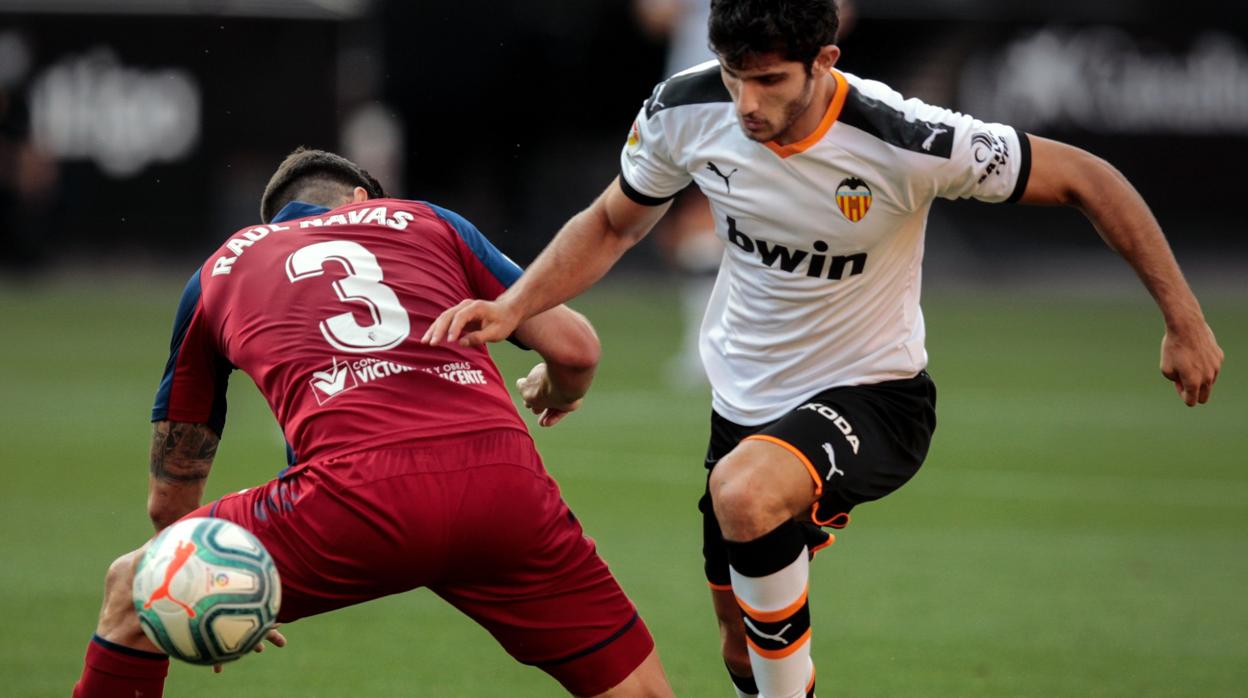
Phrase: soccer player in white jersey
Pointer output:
(813, 341)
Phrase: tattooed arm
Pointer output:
(181, 458)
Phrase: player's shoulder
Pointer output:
(700, 84)
(908, 124)
(865, 90)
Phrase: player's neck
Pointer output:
(811, 117)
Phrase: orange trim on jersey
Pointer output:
(831, 539)
(814, 474)
(831, 521)
(811, 686)
(775, 616)
(829, 118)
(719, 587)
(783, 651)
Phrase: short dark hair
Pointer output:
(795, 29)
(315, 176)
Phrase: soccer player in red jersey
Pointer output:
(409, 465)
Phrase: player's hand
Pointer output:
(1191, 359)
(539, 396)
(273, 636)
(472, 323)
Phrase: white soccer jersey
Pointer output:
(820, 280)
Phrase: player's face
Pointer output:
(770, 94)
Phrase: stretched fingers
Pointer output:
(437, 331)
(467, 312)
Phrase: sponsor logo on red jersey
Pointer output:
(348, 375)
(327, 384)
(459, 372)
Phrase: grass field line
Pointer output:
(1012, 544)
(642, 405)
(653, 468)
(1083, 410)
(1135, 488)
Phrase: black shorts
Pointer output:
(858, 442)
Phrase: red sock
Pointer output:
(114, 671)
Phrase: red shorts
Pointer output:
(476, 519)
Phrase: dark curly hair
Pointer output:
(795, 29)
(314, 176)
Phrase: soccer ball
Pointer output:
(206, 591)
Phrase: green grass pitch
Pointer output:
(1076, 530)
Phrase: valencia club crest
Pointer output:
(853, 197)
(634, 139)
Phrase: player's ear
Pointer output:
(827, 57)
(359, 194)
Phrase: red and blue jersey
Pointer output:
(324, 309)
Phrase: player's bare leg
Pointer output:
(758, 486)
(120, 659)
(756, 490)
(121, 656)
(732, 641)
(119, 623)
(646, 681)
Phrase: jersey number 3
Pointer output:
(361, 285)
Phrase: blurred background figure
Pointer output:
(686, 237)
(28, 175)
(681, 24)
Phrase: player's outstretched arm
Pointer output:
(582, 252)
(569, 348)
(1067, 176)
(181, 459)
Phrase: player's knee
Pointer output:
(739, 498)
(120, 575)
(729, 487)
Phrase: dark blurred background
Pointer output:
(141, 132)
